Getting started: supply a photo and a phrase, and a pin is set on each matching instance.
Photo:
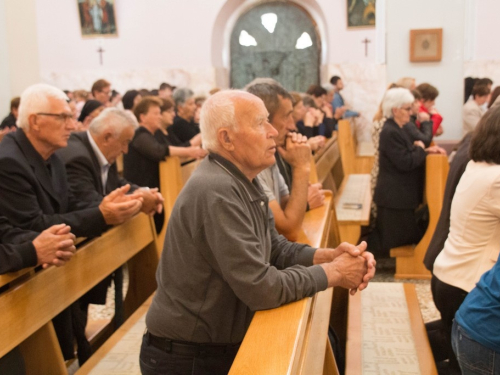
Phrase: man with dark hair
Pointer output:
(429, 94)
(338, 100)
(9, 122)
(473, 110)
(165, 91)
(101, 91)
(286, 182)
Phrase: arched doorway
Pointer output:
(277, 40)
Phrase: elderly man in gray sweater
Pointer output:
(223, 258)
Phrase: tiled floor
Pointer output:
(385, 273)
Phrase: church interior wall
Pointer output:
(184, 43)
(446, 75)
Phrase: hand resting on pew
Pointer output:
(152, 201)
(55, 246)
(118, 206)
(315, 195)
(348, 266)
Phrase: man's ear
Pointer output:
(32, 120)
(225, 139)
(108, 136)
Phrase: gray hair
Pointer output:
(218, 112)
(269, 91)
(35, 99)
(181, 95)
(395, 98)
(113, 119)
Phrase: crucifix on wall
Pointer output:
(100, 51)
(366, 41)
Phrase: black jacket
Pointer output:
(84, 172)
(401, 169)
(35, 193)
(183, 129)
(423, 134)
(17, 250)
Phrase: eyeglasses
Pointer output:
(408, 109)
(63, 117)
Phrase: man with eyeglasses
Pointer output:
(34, 185)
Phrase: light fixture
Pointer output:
(246, 39)
(304, 41)
(269, 21)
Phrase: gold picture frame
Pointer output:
(97, 18)
(360, 14)
(426, 45)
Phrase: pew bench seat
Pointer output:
(352, 205)
(386, 333)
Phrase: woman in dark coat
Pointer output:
(400, 181)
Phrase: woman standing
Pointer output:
(472, 246)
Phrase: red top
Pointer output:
(436, 119)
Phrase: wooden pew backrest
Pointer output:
(409, 259)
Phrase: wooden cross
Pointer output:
(366, 41)
(100, 50)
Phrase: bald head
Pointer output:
(224, 110)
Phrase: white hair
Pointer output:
(395, 98)
(113, 119)
(35, 99)
(328, 87)
(218, 112)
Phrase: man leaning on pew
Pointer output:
(34, 185)
(286, 182)
(223, 258)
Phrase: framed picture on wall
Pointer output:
(426, 45)
(97, 18)
(360, 13)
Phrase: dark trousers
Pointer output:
(447, 299)
(155, 361)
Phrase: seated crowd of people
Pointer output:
(234, 224)
(60, 181)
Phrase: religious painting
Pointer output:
(97, 18)
(360, 13)
(426, 45)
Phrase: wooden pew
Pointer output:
(351, 190)
(356, 158)
(386, 333)
(29, 302)
(173, 176)
(409, 259)
(295, 335)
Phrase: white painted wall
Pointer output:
(5, 94)
(446, 75)
(487, 43)
(19, 64)
(345, 45)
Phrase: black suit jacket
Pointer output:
(401, 169)
(17, 250)
(457, 169)
(84, 171)
(183, 130)
(35, 192)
